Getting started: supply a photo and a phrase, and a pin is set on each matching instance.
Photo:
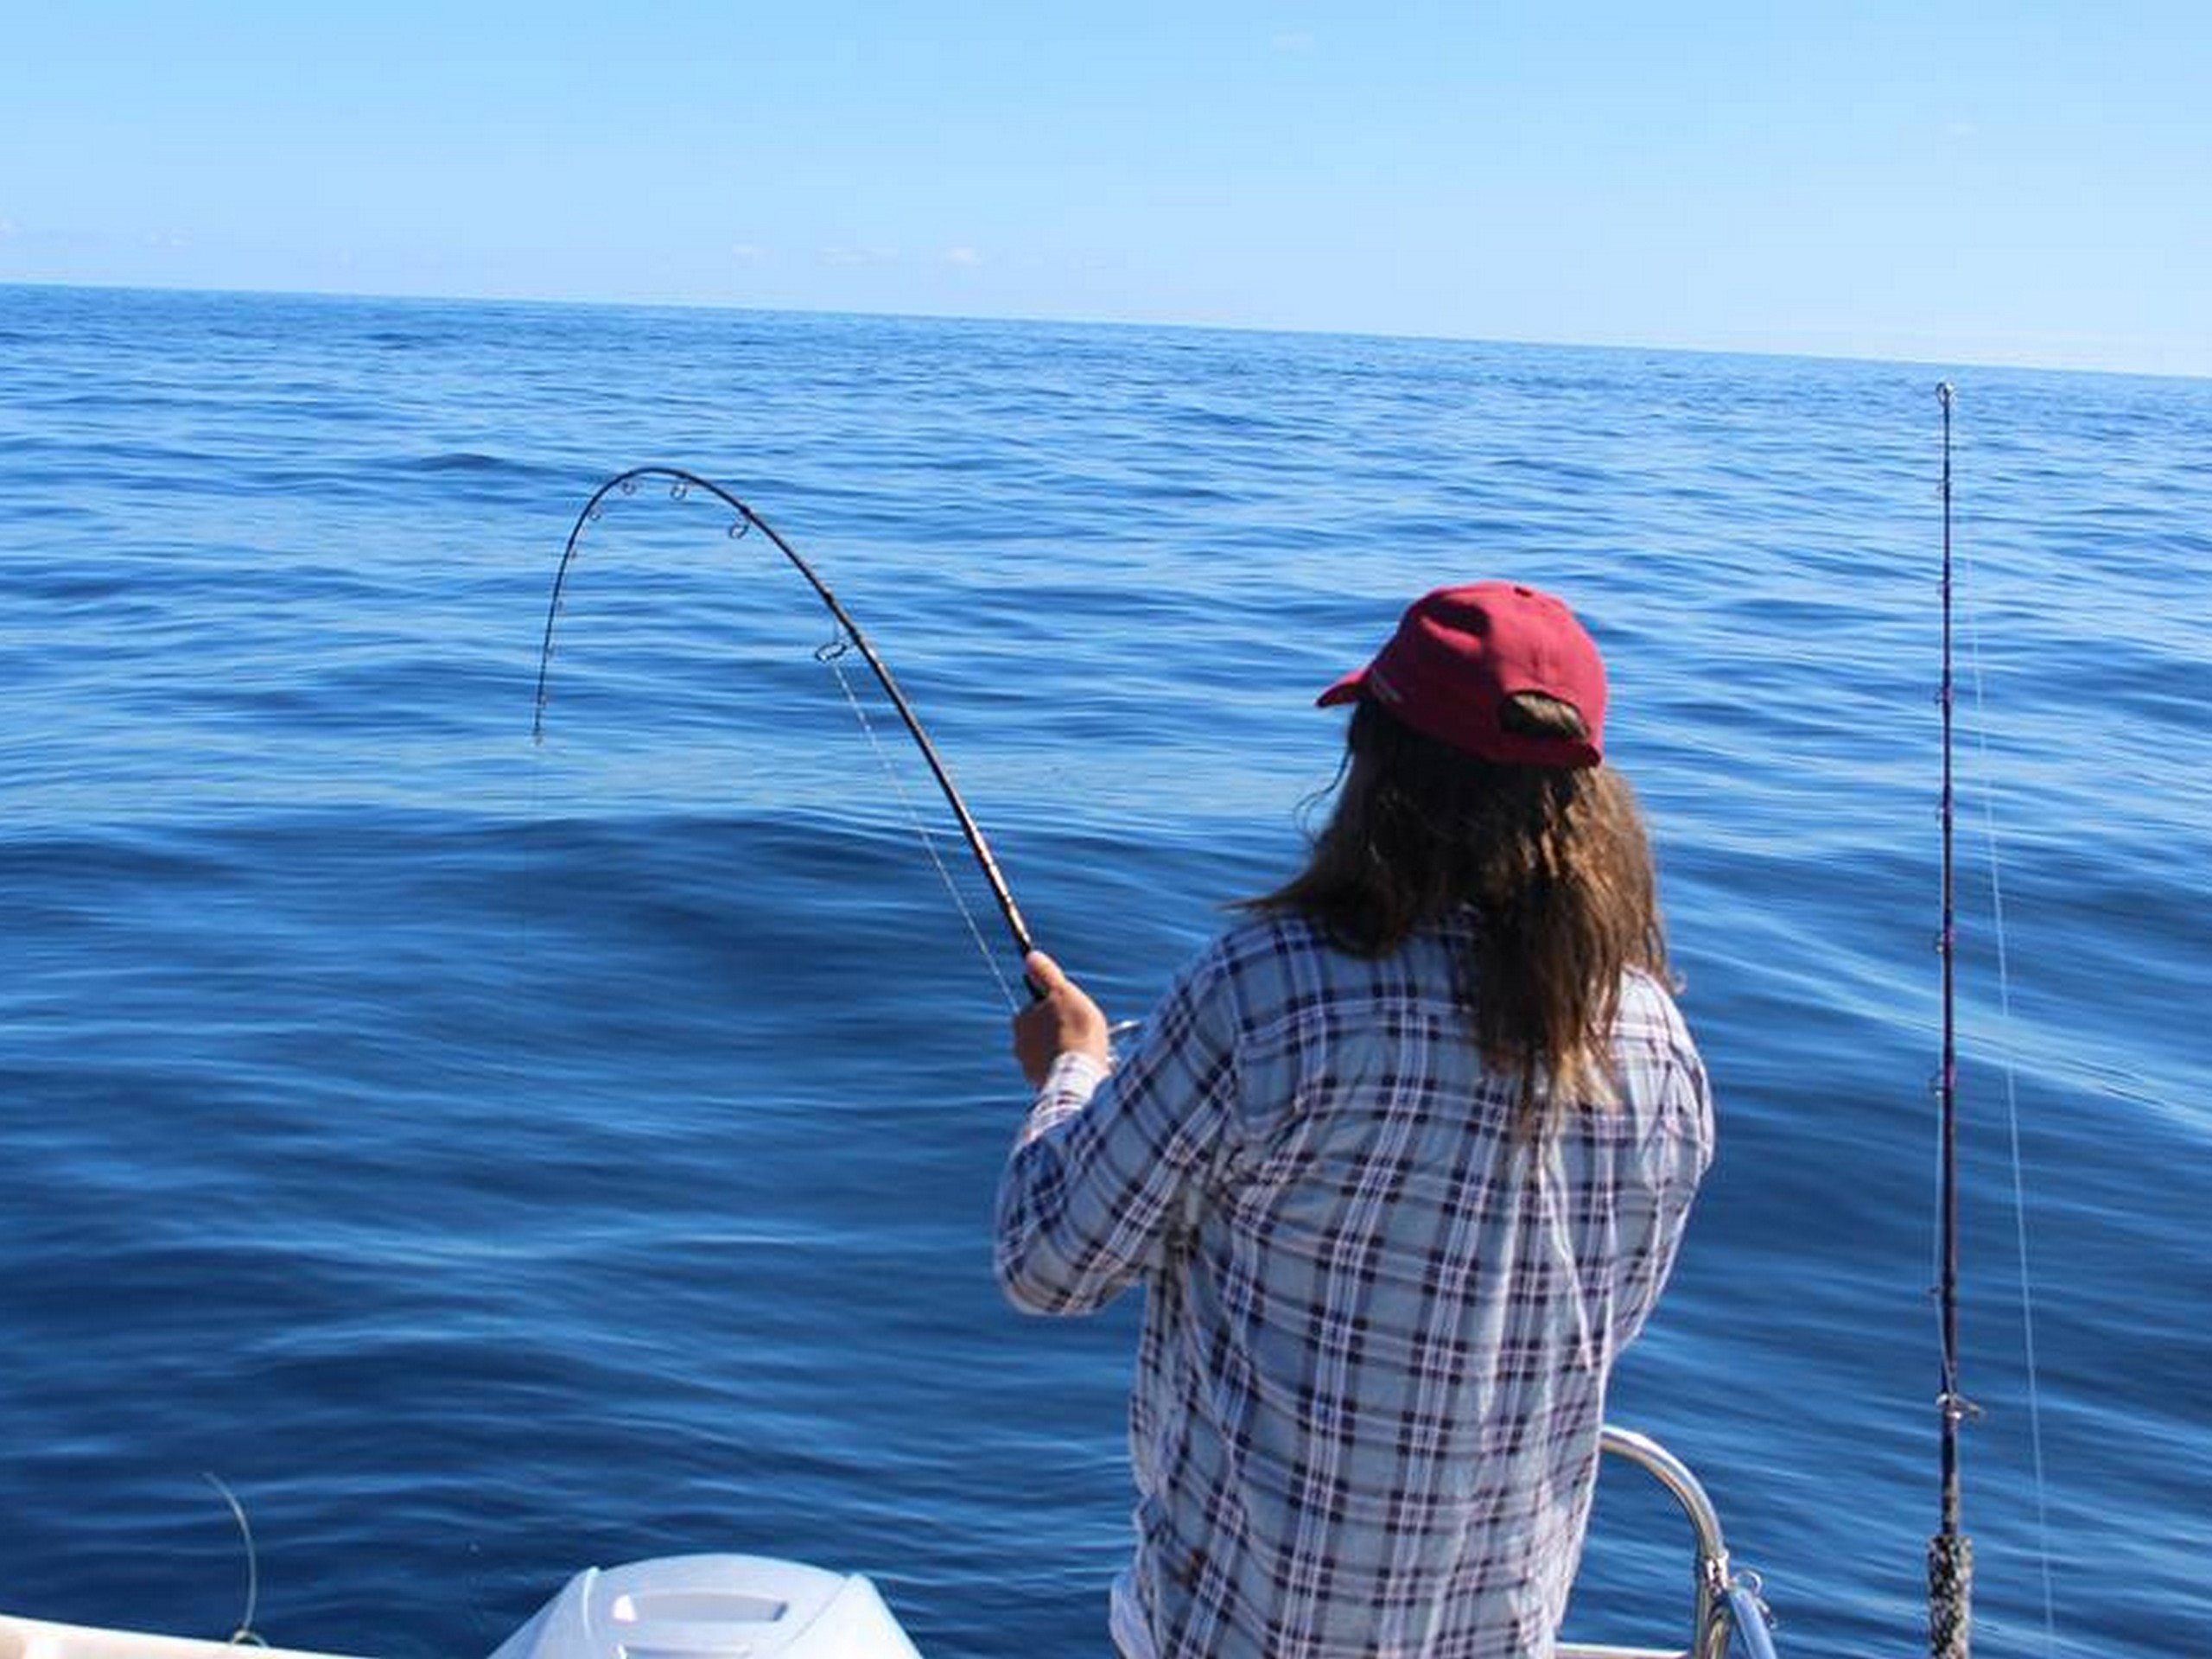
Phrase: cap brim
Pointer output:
(1343, 690)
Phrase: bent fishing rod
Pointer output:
(680, 484)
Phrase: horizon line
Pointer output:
(1930, 363)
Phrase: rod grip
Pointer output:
(1950, 1596)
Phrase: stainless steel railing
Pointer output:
(1726, 1603)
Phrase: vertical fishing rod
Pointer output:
(1950, 1552)
(681, 483)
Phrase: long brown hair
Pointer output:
(1555, 865)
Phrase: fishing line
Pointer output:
(2011, 1097)
(833, 654)
(245, 1634)
(680, 485)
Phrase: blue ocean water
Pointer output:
(493, 1159)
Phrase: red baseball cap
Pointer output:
(1460, 653)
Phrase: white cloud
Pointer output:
(1292, 40)
(746, 253)
(962, 256)
(7, 227)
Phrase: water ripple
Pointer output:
(494, 1158)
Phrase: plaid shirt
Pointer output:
(1378, 1325)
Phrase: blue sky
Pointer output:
(1960, 183)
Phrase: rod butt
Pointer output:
(1950, 1596)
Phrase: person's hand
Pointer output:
(1062, 1021)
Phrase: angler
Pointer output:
(1401, 1163)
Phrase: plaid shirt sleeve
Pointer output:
(1108, 1165)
